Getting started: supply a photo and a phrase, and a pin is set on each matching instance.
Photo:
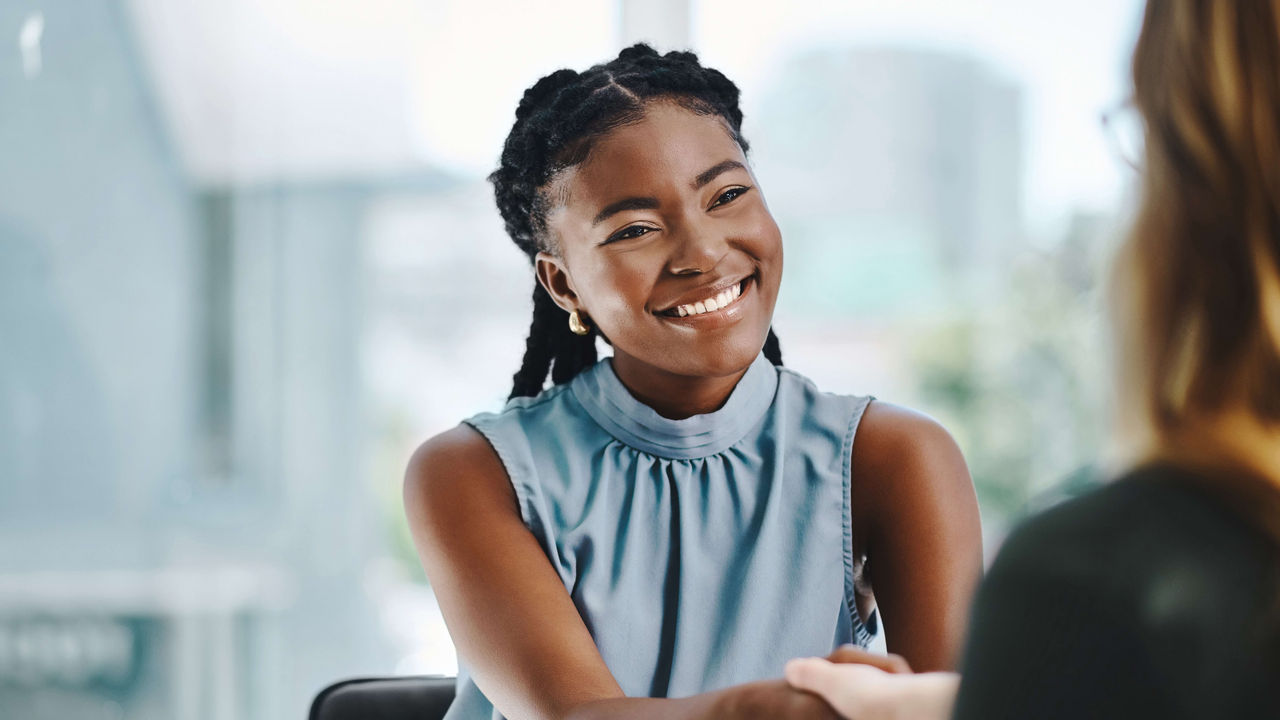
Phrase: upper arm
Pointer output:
(915, 516)
(506, 608)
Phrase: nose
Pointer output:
(698, 249)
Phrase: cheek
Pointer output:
(761, 230)
(618, 289)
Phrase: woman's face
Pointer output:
(666, 244)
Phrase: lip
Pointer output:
(702, 293)
(718, 318)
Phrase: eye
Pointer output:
(628, 233)
(729, 196)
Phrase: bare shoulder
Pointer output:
(890, 434)
(457, 466)
(901, 458)
(507, 609)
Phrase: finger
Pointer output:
(853, 654)
(812, 674)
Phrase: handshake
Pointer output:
(860, 685)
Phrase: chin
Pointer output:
(716, 359)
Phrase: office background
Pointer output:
(248, 261)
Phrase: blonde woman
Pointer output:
(1157, 596)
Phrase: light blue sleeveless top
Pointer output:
(701, 553)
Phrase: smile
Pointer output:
(715, 304)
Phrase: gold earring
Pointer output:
(576, 325)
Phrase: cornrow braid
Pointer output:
(551, 347)
(557, 121)
(772, 350)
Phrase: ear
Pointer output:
(556, 280)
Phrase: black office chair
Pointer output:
(387, 698)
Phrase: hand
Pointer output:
(865, 686)
(771, 699)
(853, 689)
(852, 654)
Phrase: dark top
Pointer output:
(1147, 598)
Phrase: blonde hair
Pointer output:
(1199, 279)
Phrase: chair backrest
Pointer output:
(388, 698)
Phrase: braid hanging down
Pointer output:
(556, 122)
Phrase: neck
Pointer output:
(1234, 439)
(675, 396)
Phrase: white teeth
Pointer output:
(722, 300)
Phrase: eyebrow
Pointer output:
(714, 172)
(651, 203)
(631, 203)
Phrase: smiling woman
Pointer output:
(659, 532)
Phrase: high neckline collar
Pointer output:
(616, 410)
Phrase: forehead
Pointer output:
(670, 146)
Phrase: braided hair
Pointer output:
(557, 121)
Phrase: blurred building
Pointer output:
(896, 175)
